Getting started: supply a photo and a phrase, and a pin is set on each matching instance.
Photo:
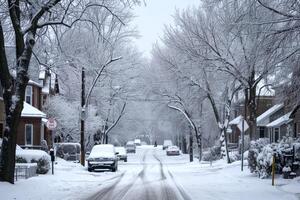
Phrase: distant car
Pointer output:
(137, 142)
(173, 151)
(130, 147)
(87, 154)
(68, 151)
(167, 143)
(103, 156)
(122, 155)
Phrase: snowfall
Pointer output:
(193, 180)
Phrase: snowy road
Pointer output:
(151, 175)
(144, 177)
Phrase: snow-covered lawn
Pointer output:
(200, 181)
(222, 181)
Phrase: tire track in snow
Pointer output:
(116, 192)
(168, 191)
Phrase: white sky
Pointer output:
(150, 20)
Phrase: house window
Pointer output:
(276, 134)
(28, 95)
(261, 132)
(28, 134)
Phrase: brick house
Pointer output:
(263, 104)
(295, 116)
(31, 126)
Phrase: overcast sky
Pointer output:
(150, 20)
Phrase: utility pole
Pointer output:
(83, 113)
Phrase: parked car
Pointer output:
(130, 147)
(68, 151)
(137, 142)
(122, 155)
(103, 156)
(173, 151)
(167, 143)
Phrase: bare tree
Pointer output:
(28, 20)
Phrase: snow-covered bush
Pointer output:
(234, 156)
(261, 154)
(34, 156)
(214, 153)
(255, 148)
(264, 162)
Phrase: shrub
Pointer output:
(20, 160)
(255, 148)
(260, 156)
(214, 153)
(34, 156)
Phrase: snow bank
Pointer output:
(34, 156)
(30, 155)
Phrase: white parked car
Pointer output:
(130, 147)
(173, 151)
(103, 156)
(122, 155)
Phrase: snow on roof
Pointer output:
(261, 118)
(31, 82)
(285, 119)
(42, 74)
(236, 120)
(46, 88)
(30, 111)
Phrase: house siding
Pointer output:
(297, 124)
(36, 96)
(36, 122)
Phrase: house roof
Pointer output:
(285, 119)
(236, 120)
(261, 119)
(31, 82)
(30, 111)
(294, 111)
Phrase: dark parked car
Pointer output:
(68, 151)
(103, 156)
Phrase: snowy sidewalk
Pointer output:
(222, 181)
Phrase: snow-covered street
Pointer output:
(151, 175)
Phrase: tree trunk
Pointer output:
(251, 107)
(13, 99)
(191, 147)
(183, 144)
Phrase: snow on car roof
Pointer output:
(120, 149)
(102, 150)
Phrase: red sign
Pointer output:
(51, 123)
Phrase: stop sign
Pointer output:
(51, 124)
